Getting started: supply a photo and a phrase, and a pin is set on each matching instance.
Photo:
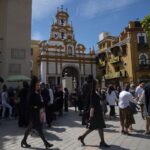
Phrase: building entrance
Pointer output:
(70, 78)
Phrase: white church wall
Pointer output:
(43, 71)
(51, 68)
(94, 70)
(88, 69)
(53, 43)
(82, 72)
(58, 68)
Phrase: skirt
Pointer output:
(126, 117)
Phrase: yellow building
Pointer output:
(35, 54)
(124, 59)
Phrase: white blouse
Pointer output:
(111, 98)
(124, 99)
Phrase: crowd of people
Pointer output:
(38, 103)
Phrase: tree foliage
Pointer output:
(146, 24)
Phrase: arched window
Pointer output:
(143, 59)
(70, 52)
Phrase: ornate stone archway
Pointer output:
(73, 73)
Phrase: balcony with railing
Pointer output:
(116, 59)
(101, 63)
(144, 66)
(142, 46)
(119, 74)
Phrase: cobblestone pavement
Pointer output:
(65, 131)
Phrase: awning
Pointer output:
(17, 78)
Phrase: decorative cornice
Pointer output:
(66, 61)
(67, 58)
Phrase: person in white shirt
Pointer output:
(145, 98)
(49, 106)
(138, 93)
(51, 96)
(111, 98)
(4, 102)
(139, 90)
(126, 117)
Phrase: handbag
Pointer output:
(133, 107)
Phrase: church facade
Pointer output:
(61, 56)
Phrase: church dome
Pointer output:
(80, 47)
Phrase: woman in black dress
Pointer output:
(23, 106)
(35, 104)
(96, 120)
(66, 98)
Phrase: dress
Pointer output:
(35, 106)
(97, 121)
(147, 98)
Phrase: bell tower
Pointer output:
(62, 16)
(62, 31)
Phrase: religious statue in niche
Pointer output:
(62, 35)
(62, 22)
(56, 35)
(69, 50)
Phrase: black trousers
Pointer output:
(66, 104)
(49, 117)
(112, 110)
(39, 130)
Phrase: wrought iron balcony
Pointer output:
(119, 74)
(144, 66)
(143, 46)
(101, 63)
(115, 59)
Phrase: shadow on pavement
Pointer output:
(37, 148)
(48, 135)
(59, 130)
(74, 119)
(52, 137)
(141, 136)
(111, 130)
(113, 147)
(111, 126)
(139, 131)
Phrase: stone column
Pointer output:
(43, 71)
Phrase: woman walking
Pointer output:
(35, 103)
(145, 99)
(5, 104)
(111, 99)
(96, 120)
(23, 106)
(66, 98)
(126, 116)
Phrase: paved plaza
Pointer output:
(65, 131)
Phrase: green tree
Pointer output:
(146, 24)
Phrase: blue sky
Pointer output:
(89, 17)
